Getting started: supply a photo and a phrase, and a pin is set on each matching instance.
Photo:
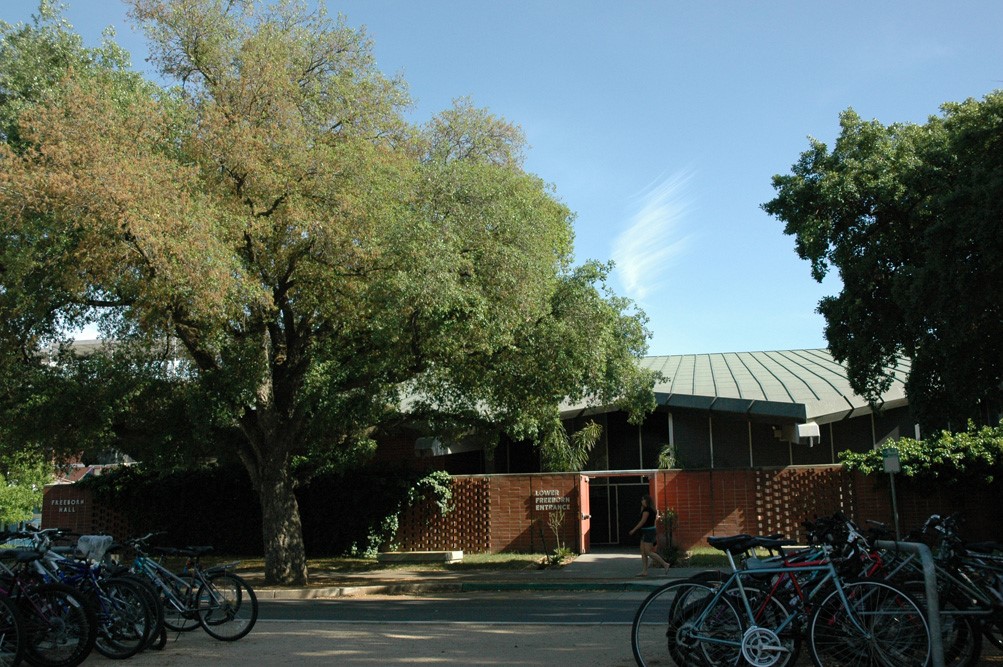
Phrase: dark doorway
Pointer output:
(614, 503)
(630, 510)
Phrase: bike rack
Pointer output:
(932, 600)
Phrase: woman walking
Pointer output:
(648, 536)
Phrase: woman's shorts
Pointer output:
(649, 535)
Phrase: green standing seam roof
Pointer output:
(799, 385)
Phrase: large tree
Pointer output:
(912, 217)
(312, 264)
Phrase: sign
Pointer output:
(66, 504)
(550, 500)
(890, 456)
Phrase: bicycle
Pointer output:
(965, 606)
(861, 622)
(126, 617)
(219, 601)
(57, 626)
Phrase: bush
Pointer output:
(973, 456)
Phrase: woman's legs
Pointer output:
(648, 551)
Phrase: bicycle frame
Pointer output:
(824, 569)
(166, 582)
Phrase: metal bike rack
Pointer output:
(932, 599)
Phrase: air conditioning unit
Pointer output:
(800, 434)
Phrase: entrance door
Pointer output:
(601, 500)
(585, 518)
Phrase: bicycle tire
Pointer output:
(11, 635)
(125, 619)
(153, 603)
(663, 631)
(893, 631)
(992, 628)
(227, 607)
(60, 627)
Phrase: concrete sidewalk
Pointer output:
(600, 570)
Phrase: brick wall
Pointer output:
(722, 502)
(497, 513)
(465, 527)
(760, 501)
(522, 507)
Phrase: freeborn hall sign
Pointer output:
(66, 504)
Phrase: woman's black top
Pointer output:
(649, 518)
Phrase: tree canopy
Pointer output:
(23, 476)
(910, 215)
(273, 235)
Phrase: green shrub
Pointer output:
(971, 456)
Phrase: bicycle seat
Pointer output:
(194, 551)
(733, 544)
(772, 542)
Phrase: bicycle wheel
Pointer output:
(671, 628)
(11, 635)
(180, 614)
(878, 625)
(124, 619)
(156, 606)
(227, 607)
(60, 628)
(992, 628)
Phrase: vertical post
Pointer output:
(890, 460)
(748, 424)
(932, 596)
(710, 439)
(895, 507)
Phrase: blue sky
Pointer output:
(660, 123)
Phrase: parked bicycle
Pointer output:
(213, 598)
(761, 614)
(126, 615)
(57, 627)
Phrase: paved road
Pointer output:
(350, 644)
(528, 629)
(529, 608)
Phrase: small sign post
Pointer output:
(890, 456)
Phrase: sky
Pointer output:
(660, 123)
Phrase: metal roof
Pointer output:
(798, 385)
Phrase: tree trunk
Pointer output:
(282, 530)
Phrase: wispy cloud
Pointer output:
(643, 252)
